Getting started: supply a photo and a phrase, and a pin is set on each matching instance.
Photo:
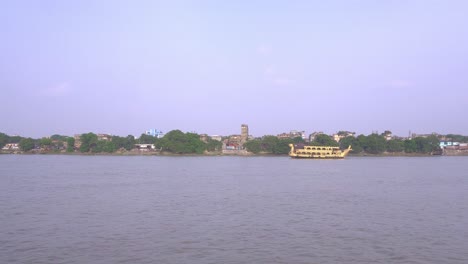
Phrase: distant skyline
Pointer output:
(122, 67)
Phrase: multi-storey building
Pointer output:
(155, 133)
(244, 133)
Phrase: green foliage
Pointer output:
(410, 146)
(350, 141)
(45, 142)
(395, 145)
(3, 139)
(26, 144)
(70, 144)
(457, 138)
(14, 139)
(298, 140)
(433, 142)
(104, 146)
(324, 140)
(254, 146)
(59, 137)
(426, 145)
(146, 139)
(282, 147)
(213, 145)
(127, 142)
(270, 144)
(374, 144)
(88, 142)
(182, 143)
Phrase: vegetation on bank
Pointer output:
(174, 142)
(377, 144)
(371, 144)
(178, 142)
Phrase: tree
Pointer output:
(127, 142)
(324, 140)
(14, 139)
(395, 145)
(213, 145)
(253, 146)
(194, 143)
(375, 144)
(178, 142)
(298, 140)
(282, 147)
(146, 139)
(26, 144)
(433, 143)
(88, 141)
(45, 142)
(410, 146)
(70, 144)
(3, 139)
(269, 143)
(59, 137)
(104, 146)
(350, 141)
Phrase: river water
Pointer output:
(147, 209)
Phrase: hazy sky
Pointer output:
(122, 67)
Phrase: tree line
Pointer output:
(371, 144)
(179, 142)
(174, 142)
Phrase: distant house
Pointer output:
(444, 144)
(233, 142)
(145, 147)
(11, 146)
(104, 137)
(204, 137)
(292, 134)
(154, 133)
(414, 135)
(216, 137)
(342, 134)
(313, 135)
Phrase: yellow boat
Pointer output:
(318, 152)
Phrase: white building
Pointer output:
(155, 133)
(11, 146)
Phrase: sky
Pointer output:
(123, 67)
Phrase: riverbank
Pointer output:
(211, 154)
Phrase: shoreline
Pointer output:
(220, 154)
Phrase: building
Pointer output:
(342, 134)
(313, 135)
(11, 146)
(145, 147)
(444, 144)
(77, 138)
(414, 135)
(387, 135)
(217, 137)
(244, 133)
(154, 133)
(233, 142)
(204, 137)
(283, 136)
(104, 137)
(292, 134)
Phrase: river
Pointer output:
(150, 209)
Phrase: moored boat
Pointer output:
(318, 152)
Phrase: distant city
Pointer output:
(154, 140)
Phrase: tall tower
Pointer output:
(244, 133)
